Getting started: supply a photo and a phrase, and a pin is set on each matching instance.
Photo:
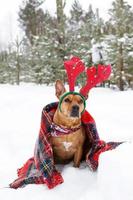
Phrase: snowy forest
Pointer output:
(49, 40)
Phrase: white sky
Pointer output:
(9, 8)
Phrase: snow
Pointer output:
(20, 113)
(96, 53)
(130, 53)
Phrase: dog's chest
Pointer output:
(65, 146)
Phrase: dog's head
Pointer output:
(72, 105)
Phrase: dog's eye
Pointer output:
(67, 100)
(81, 101)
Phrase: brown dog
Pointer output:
(70, 146)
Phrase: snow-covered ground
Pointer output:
(20, 113)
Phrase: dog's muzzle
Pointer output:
(75, 111)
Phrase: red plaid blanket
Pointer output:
(40, 169)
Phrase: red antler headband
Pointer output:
(74, 67)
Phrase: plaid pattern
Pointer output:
(40, 169)
(92, 158)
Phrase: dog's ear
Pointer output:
(59, 88)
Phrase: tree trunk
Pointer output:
(120, 56)
(18, 65)
(18, 72)
(120, 68)
(61, 31)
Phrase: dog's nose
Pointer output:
(75, 111)
(75, 108)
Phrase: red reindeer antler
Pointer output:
(95, 76)
(74, 68)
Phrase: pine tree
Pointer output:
(74, 39)
(11, 63)
(60, 27)
(92, 32)
(76, 13)
(118, 48)
(43, 56)
(4, 70)
(29, 14)
(85, 29)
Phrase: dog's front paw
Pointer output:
(77, 165)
